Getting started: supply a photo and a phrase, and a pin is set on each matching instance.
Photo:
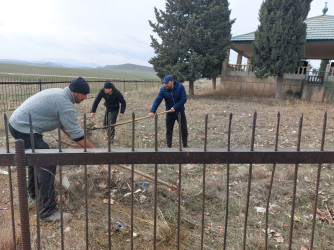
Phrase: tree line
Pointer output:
(195, 35)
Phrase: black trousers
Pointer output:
(113, 119)
(45, 175)
(170, 121)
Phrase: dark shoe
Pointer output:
(186, 146)
(56, 216)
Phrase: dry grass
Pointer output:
(218, 107)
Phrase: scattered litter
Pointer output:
(142, 198)
(120, 224)
(102, 185)
(105, 201)
(67, 229)
(143, 184)
(3, 208)
(127, 194)
(260, 210)
(137, 191)
(66, 183)
(51, 236)
(135, 235)
(306, 179)
(3, 172)
(280, 239)
(118, 227)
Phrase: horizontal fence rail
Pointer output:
(162, 156)
(169, 156)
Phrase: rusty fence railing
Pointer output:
(157, 156)
(14, 91)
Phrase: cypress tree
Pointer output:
(194, 35)
(215, 35)
(279, 44)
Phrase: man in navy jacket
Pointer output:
(175, 97)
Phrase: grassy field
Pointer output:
(124, 72)
(218, 108)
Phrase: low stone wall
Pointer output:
(318, 93)
(247, 84)
(313, 93)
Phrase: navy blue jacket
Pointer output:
(111, 101)
(175, 97)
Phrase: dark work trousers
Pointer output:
(113, 118)
(170, 121)
(45, 175)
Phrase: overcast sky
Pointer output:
(98, 33)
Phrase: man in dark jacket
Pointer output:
(175, 97)
(112, 98)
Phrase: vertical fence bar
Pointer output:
(180, 189)
(85, 133)
(227, 179)
(203, 182)
(318, 181)
(271, 181)
(109, 130)
(86, 182)
(17, 101)
(60, 186)
(132, 176)
(295, 184)
(109, 183)
(23, 197)
(35, 184)
(155, 183)
(249, 182)
(10, 185)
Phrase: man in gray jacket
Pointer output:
(43, 108)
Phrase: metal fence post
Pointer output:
(23, 196)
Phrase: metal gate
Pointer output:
(180, 157)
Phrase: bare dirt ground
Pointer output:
(218, 108)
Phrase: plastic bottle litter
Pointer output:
(143, 184)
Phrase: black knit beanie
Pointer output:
(108, 85)
(79, 85)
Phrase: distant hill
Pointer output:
(128, 67)
(124, 71)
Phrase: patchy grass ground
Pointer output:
(218, 108)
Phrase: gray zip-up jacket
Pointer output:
(43, 108)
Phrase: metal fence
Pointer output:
(157, 156)
(13, 91)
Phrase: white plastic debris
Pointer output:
(142, 198)
(137, 191)
(66, 183)
(260, 209)
(3, 172)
